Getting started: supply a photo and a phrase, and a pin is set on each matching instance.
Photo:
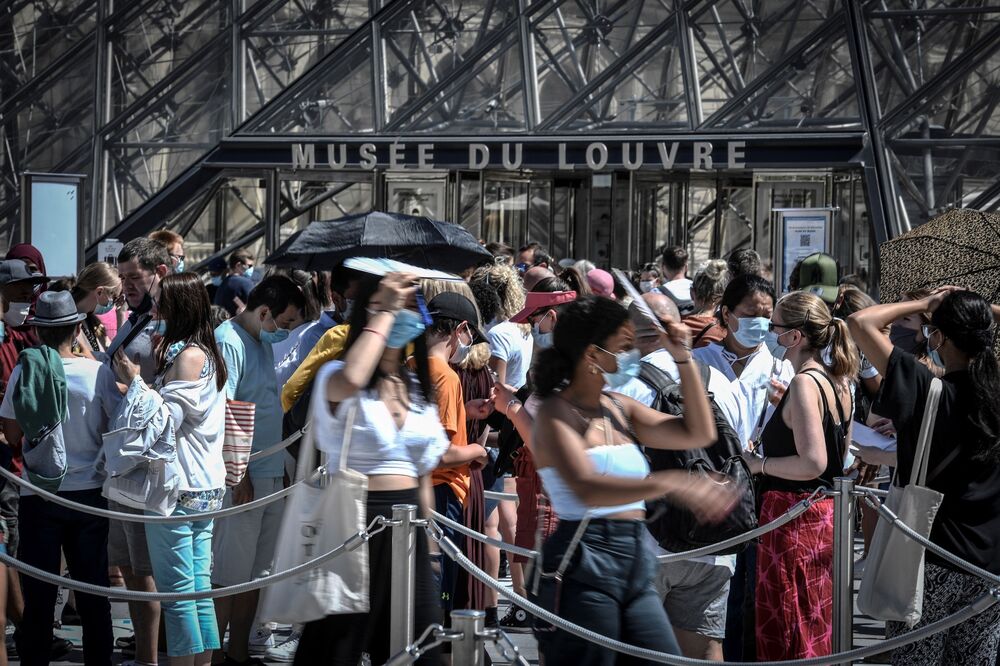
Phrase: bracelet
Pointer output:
(382, 335)
(514, 401)
(763, 464)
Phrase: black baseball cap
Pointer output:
(449, 305)
(15, 270)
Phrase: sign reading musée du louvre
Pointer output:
(512, 156)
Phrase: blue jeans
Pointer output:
(181, 554)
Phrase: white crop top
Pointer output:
(622, 460)
(377, 447)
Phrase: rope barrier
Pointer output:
(979, 605)
(140, 518)
(129, 595)
(500, 497)
(280, 446)
(793, 512)
(482, 538)
(887, 514)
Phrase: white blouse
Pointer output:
(377, 446)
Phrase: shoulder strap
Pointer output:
(701, 334)
(822, 391)
(826, 405)
(918, 474)
(655, 378)
(621, 410)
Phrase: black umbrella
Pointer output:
(420, 241)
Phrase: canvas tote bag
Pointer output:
(321, 514)
(238, 439)
(892, 587)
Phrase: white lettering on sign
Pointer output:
(304, 156)
(598, 161)
(483, 156)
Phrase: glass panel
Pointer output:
(149, 45)
(701, 222)
(563, 221)
(782, 194)
(622, 241)
(34, 34)
(576, 41)
(736, 42)
(653, 207)
(284, 44)
(471, 206)
(539, 210)
(484, 95)
(599, 228)
(339, 102)
(506, 212)
(307, 201)
(736, 212)
(430, 42)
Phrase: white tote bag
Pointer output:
(321, 514)
(892, 587)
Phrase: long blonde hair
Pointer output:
(809, 314)
(479, 355)
(505, 280)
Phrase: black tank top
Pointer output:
(779, 442)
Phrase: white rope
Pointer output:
(280, 446)
(979, 605)
(140, 518)
(130, 595)
(500, 497)
(469, 532)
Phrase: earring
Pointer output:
(593, 369)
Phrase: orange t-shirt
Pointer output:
(451, 409)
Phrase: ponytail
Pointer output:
(844, 358)
(966, 319)
(552, 371)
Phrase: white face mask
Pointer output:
(461, 352)
(17, 313)
(647, 286)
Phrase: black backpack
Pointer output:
(673, 526)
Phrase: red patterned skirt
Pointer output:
(795, 580)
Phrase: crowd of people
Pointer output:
(548, 380)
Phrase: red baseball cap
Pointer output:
(537, 300)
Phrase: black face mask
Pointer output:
(905, 339)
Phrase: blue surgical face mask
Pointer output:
(542, 340)
(180, 267)
(248, 272)
(408, 326)
(934, 355)
(777, 349)
(3, 332)
(217, 280)
(275, 336)
(104, 308)
(751, 331)
(629, 363)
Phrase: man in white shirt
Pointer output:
(694, 591)
(675, 282)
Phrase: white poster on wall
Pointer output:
(804, 231)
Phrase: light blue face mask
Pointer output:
(542, 340)
(3, 332)
(248, 272)
(217, 280)
(105, 308)
(407, 327)
(751, 331)
(934, 355)
(629, 364)
(275, 336)
(777, 349)
(180, 267)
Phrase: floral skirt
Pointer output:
(795, 580)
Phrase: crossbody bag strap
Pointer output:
(918, 474)
(345, 447)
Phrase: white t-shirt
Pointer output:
(750, 388)
(509, 343)
(93, 398)
(679, 290)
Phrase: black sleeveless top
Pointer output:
(779, 442)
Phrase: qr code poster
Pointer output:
(108, 250)
(804, 233)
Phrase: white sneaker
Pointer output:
(261, 640)
(285, 652)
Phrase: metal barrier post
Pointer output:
(843, 565)
(404, 566)
(468, 650)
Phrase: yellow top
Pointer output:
(328, 348)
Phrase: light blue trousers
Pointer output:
(181, 555)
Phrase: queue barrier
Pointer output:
(468, 634)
